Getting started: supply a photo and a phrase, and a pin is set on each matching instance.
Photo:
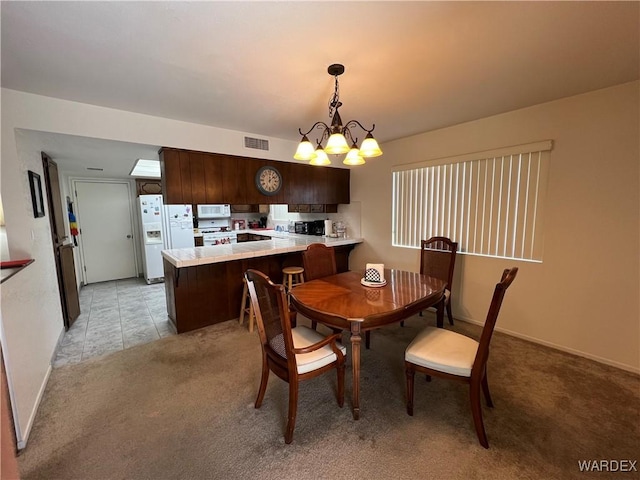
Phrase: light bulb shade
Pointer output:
(320, 158)
(305, 150)
(369, 147)
(337, 144)
(353, 157)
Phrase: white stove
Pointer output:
(212, 237)
(217, 232)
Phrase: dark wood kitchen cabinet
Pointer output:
(201, 178)
(175, 170)
(247, 208)
(148, 186)
(234, 187)
(338, 186)
(213, 168)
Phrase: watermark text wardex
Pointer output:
(608, 465)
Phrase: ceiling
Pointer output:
(261, 67)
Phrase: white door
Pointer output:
(104, 216)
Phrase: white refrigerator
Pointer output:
(151, 213)
(163, 227)
(178, 226)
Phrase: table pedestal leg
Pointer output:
(355, 362)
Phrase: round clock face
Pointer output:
(268, 180)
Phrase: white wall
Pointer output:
(585, 295)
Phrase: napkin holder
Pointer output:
(374, 273)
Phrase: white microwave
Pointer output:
(214, 211)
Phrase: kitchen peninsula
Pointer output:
(204, 284)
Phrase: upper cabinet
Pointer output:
(205, 178)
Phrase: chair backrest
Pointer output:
(492, 316)
(438, 258)
(318, 261)
(272, 315)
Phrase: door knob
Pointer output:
(129, 236)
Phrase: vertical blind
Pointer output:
(491, 203)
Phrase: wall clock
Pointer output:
(268, 180)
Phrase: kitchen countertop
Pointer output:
(281, 242)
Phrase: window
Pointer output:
(491, 203)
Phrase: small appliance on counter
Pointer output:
(301, 228)
(238, 223)
(315, 227)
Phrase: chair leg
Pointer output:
(367, 339)
(485, 389)
(402, 323)
(263, 381)
(449, 314)
(410, 373)
(293, 407)
(252, 317)
(243, 303)
(341, 369)
(476, 412)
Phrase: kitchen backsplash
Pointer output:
(349, 214)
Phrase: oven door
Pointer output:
(209, 240)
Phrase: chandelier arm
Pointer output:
(315, 125)
(348, 135)
(352, 123)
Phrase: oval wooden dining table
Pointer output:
(342, 302)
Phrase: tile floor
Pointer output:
(114, 316)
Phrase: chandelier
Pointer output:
(339, 137)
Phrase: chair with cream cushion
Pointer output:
(292, 353)
(446, 354)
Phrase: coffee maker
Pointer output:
(315, 227)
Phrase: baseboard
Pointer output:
(25, 435)
(58, 345)
(562, 348)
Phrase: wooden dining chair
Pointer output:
(442, 353)
(318, 261)
(293, 354)
(438, 259)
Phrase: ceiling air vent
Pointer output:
(257, 143)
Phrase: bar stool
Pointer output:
(292, 276)
(244, 309)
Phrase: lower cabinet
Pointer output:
(204, 295)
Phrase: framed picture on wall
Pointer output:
(36, 194)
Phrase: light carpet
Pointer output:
(182, 408)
